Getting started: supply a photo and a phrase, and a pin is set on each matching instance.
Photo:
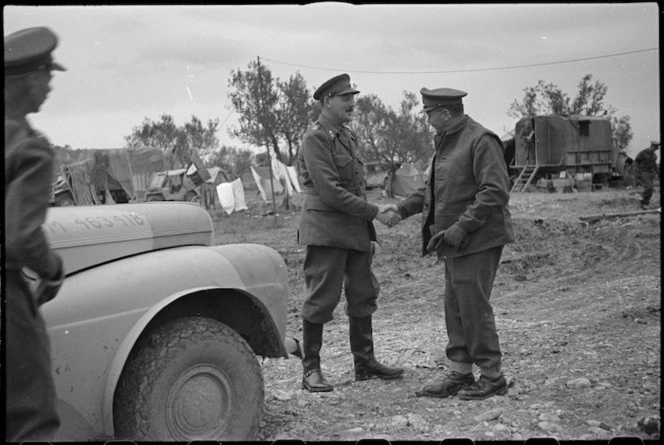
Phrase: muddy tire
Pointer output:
(191, 379)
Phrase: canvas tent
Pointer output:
(209, 196)
(115, 171)
(405, 180)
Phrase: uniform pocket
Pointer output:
(342, 161)
(344, 164)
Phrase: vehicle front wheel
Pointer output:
(193, 378)
(64, 201)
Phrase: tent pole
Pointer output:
(269, 165)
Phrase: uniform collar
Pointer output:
(456, 127)
(330, 127)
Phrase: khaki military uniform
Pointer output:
(335, 224)
(31, 397)
(646, 173)
(31, 400)
(469, 186)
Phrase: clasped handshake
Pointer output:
(456, 236)
(388, 214)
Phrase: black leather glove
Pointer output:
(436, 241)
(456, 236)
(42, 289)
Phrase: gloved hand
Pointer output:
(49, 288)
(456, 236)
(42, 289)
(436, 241)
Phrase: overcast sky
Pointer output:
(126, 63)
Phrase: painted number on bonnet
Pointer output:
(100, 222)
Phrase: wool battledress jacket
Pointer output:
(335, 212)
(468, 183)
(28, 177)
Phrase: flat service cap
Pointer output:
(336, 86)
(656, 143)
(29, 50)
(440, 97)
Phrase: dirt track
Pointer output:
(578, 312)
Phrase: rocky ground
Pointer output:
(578, 310)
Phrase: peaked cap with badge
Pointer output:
(30, 50)
(336, 86)
(439, 97)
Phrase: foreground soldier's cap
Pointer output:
(439, 97)
(30, 50)
(336, 86)
(656, 143)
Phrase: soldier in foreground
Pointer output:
(33, 272)
(336, 226)
(465, 220)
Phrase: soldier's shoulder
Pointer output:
(16, 131)
(316, 130)
(19, 133)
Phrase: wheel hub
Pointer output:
(199, 404)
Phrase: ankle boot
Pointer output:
(361, 345)
(313, 379)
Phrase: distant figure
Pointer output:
(647, 171)
(336, 226)
(628, 172)
(33, 272)
(466, 222)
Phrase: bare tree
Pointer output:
(296, 112)
(255, 98)
(175, 141)
(392, 137)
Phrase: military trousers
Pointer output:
(471, 328)
(328, 270)
(30, 390)
(646, 179)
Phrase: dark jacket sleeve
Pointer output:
(28, 177)
(492, 183)
(413, 204)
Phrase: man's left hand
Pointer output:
(456, 236)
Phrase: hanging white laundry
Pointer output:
(257, 179)
(238, 195)
(226, 198)
(292, 175)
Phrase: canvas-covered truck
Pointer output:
(108, 175)
(575, 148)
(182, 184)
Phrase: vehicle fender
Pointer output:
(150, 283)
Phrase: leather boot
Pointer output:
(313, 379)
(361, 345)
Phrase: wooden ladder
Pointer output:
(525, 178)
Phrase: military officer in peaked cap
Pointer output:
(336, 225)
(30, 398)
(466, 222)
